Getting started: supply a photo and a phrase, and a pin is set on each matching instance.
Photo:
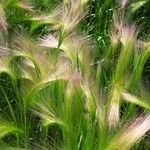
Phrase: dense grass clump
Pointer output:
(74, 75)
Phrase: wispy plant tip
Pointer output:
(131, 134)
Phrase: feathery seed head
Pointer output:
(128, 35)
(3, 24)
(115, 32)
(123, 3)
(25, 5)
(49, 41)
(114, 107)
(47, 115)
(75, 78)
(131, 133)
(113, 117)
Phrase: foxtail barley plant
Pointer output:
(59, 90)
